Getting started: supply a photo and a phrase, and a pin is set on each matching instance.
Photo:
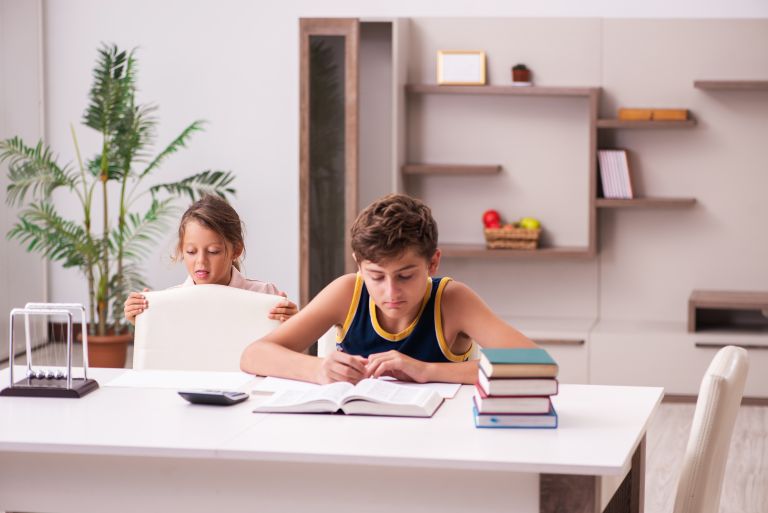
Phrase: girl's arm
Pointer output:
(134, 305)
(281, 353)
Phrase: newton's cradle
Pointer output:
(56, 380)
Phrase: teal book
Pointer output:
(517, 363)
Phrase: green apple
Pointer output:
(529, 223)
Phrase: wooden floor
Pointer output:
(745, 489)
(746, 477)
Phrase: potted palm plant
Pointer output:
(121, 216)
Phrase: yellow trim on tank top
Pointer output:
(396, 337)
(439, 328)
(340, 334)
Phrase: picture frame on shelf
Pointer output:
(460, 67)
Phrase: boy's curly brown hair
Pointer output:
(391, 225)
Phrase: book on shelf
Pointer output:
(516, 386)
(521, 420)
(614, 174)
(367, 397)
(485, 403)
(517, 363)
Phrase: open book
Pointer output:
(368, 397)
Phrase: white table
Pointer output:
(133, 449)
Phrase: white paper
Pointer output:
(175, 379)
(272, 384)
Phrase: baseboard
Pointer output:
(689, 398)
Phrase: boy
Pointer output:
(393, 318)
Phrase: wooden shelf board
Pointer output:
(480, 251)
(502, 90)
(622, 123)
(450, 169)
(729, 299)
(644, 202)
(732, 85)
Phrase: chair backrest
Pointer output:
(205, 327)
(701, 480)
(327, 343)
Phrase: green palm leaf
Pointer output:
(201, 184)
(174, 146)
(112, 89)
(141, 232)
(33, 168)
(44, 231)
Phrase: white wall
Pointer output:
(21, 113)
(235, 64)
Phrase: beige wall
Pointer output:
(649, 260)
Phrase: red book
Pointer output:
(509, 404)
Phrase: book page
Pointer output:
(323, 398)
(271, 384)
(381, 391)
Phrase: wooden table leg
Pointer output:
(581, 494)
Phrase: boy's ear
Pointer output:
(434, 262)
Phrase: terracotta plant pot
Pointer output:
(107, 350)
(521, 75)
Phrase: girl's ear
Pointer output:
(434, 263)
(237, 252)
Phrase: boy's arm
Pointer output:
(465, 312)
(281, 352)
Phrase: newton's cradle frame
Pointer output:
(49, 382)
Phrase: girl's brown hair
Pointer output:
(391, 225)
(215, 214)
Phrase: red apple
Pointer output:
(491, 217)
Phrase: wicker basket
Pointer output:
(511, 237)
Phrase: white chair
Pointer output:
(205, 327)
(701, 480)
(327, 343)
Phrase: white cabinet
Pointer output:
(665, 354)
(565, 339)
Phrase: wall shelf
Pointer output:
(502, 90)
(644, 202)
(732, 85)
(450, 169)
(622, 123)
(480, 251)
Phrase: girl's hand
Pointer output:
(340, 366)
(284, 310)
(399, 366)
(134, 305)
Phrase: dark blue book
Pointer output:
(516, 420)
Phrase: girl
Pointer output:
(211, 244)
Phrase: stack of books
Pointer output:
(513, 389)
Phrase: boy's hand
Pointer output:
(340, 366)
(399, 366)
(284, 310)
(134, 305)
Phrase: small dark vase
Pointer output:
(521, 75)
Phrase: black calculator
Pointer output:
(217, 397)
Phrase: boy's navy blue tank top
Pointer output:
(423, 339)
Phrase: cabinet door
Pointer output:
(328, 149)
